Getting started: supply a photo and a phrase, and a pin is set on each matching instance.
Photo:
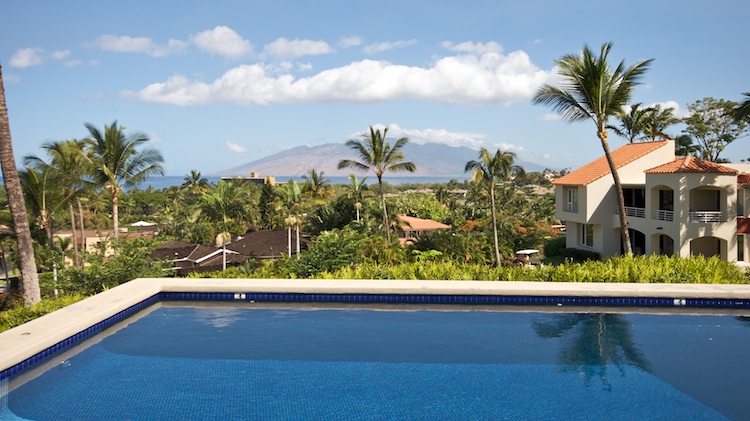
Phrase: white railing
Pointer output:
(634, 212)
(663, 215)
(707, 216)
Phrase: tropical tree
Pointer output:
(488, 170)
(713, 125)
(116, 162)
(31, 293)
(743, 110)
(357, 190)
(376, 154)
(194, 183)
(42, 197)
(224, 206)
(592, 90)
(657, 121)
(684, 146)
(316, 187)
(632, 122)
(68, 169)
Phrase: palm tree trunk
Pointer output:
(385, 212)
(31, 293)
(115, 213)
(73, 232)
(625, 235)
(494, 223)
(82, 227)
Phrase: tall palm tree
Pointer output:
(225, 207)
(488, 170)
(317, 187)
(31, 293)
(116, 161)
(632, 123)
(592, 90)
(69, 169)
(376, 154)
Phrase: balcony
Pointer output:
(633, 212)
(707, 216)
(663, 215)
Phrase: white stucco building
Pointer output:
(674, 205)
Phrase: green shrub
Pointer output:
(20, 314)
(578, 255)
(554, 246)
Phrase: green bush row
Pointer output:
(20, 314)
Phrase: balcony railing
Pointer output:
(663, 215)
(634, 212)
(707, 216)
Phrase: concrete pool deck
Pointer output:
(25, 341)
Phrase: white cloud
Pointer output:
(143, 45)
(285, 48)
(347, 42)
(59, 55)
(676, 110)
(234, 147)
(470, 140)
(11, 79)
(465, 78)
(224, 41)
(474, 48)
(27, 57)
(385, 46)
(551, 117)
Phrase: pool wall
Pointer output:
(31, 342)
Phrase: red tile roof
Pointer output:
(598, 168)
(689, 164)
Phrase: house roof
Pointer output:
(266, 244)
(690, 164)
(599, 168)
(418, 224)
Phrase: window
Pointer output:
(741, 202)
(571, 199)
(740, 247)
(587, 235)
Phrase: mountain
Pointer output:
(431, 159)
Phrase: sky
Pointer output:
(217, 84)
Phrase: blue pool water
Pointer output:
(230, 362)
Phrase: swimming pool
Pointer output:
(243, 360)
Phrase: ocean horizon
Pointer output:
(166, 181)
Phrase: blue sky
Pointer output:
(221, 83)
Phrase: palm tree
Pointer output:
(591, 90)
(488, 170)
(31, 293)
(317, 187)
(116, 161)
(658, 120)
(291, 200)
(69, 169)
(632, 123)
(224, 206)
(376, 154)
(194, 183)
(743, 110)
(357, 191)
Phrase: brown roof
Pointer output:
(418, 224)
(690, 164)
(598, 168)
(262, 244)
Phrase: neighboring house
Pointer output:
(191, 257)
(267, 244)
(409, 227)
(92, 238)
(674, 205)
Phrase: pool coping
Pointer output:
(41, 336)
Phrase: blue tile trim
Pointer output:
(375, 298)
(458, 299)
(78, 337)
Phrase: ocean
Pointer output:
(163, 182)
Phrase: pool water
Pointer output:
(230, 362)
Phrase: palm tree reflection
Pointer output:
(591, 343)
